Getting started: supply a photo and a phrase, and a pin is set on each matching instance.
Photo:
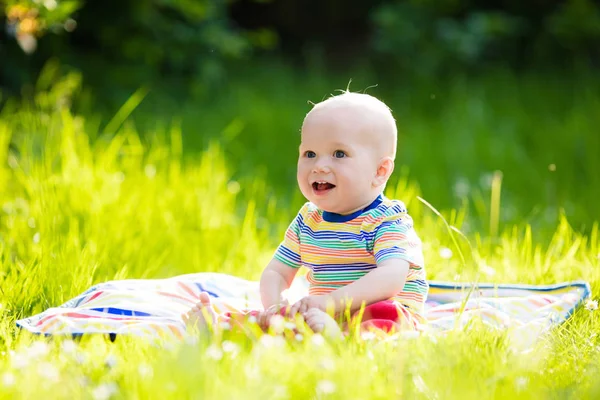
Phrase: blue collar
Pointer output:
(333, 217)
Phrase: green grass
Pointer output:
(76, 211)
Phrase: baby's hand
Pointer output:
(264, 317)
(303, 305)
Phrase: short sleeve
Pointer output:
(396, 238)
(288, 251)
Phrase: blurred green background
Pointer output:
(476, 86)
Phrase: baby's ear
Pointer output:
(384, 171)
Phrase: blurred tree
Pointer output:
(124, 43)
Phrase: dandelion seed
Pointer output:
(445, 253)
(68, 347)
(83, 381)
(317, 339)
(230, 347)
(110, 361)
(145, 371)
(326, 387)
(489, 271)
(327, 364)
(461, 188)
(104, 391)
(266, 341)
(171, 387)
(486, 180)
(19, 361)
(280, 391)
(8, 379)
(420, 384)
(38, 349)
(521, 382)
(214, 352)
(591, 305)
(226, 326)
(192, 340)
(80, 358)
(233, 187)
(290, 326)
(368, 336)
(119, 177)
(410, 334)
(150, 171)
(277, 322)
(48, 371)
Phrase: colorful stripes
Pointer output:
(339, 253)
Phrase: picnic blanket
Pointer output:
(153, 307)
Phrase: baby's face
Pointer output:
(338, 160)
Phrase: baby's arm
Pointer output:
(276, 278)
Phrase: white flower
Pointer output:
(326, 387)
(214, 352)
(104, 391)
(8, 379)
(150, 171)
(445, 253)
(591, 305)
(19, 361)
(233, 187)
(145, 371)
(48, 371)
(110, 361)
(368, 335)
(489, 271)
(38, 349)
(299, 337)
(290, 326)
(461, 187)
(230, 347)
(68, 346)
(317, 339)
(277, 322)
(521, 382)
(327, 364)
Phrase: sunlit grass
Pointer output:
(76, 212)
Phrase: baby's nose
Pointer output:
(320, 167)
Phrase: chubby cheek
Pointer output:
(302, 177)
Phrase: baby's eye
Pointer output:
(310, 154)
(339, 154)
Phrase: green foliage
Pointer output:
(430, 38)
(76, 211)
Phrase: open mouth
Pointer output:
(322, 186)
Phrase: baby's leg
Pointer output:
(321, 322)
(202, 315)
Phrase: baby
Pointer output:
(360, 247)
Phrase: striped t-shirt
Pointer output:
(340, 249)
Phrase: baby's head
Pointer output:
(347, 152)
